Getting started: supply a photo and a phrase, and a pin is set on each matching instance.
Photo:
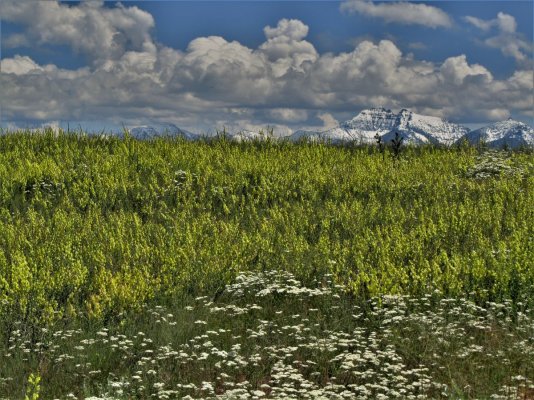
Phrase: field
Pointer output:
(166, 268)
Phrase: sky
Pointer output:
(248, 65)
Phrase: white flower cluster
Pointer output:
(492, 164)
(269, 336)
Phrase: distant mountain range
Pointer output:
(148, 132)
(415, 128)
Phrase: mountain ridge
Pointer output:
(416, 129)
(509, 133)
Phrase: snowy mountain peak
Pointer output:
(415, 128)
(372, 119)
(418, 129)
(509, 133)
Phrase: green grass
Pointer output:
(95, 228)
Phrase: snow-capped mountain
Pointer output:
(509, 133)
(421, 129)
(373, 119)
(148, 132)
(362, 128)
(415, 128)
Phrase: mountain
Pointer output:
(415, 128)
(421, 129)
(508, 133)
(366, 125)
(148, 132)
(362, 128)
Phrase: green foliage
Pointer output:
(93, 226)
(33, 387)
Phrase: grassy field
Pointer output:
(362, 276)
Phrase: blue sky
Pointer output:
(248, 64)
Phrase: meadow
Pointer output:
(213, 269)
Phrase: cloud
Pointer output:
(510, 45)
(504, 22)
(457, 70)
(356, 40)
(286, 48)
(15, 40)
(328, 120)
(288, 114)
(497, 114)
(100, 33)
(215, 82)
(217, 69)
(19, 65)
(290, 28)
(479, 23)
(510, 42)
(400, 12)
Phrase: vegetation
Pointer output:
(396, 145)
(97, 232)
(269, 336)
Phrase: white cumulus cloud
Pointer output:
(99, 32)
(215, 82)
(400, 12)
(290, 28)
(286, 48)
(507, 39)
(456, 70)
(19, 65)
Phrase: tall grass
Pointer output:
(98, 225)
(103, 236)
